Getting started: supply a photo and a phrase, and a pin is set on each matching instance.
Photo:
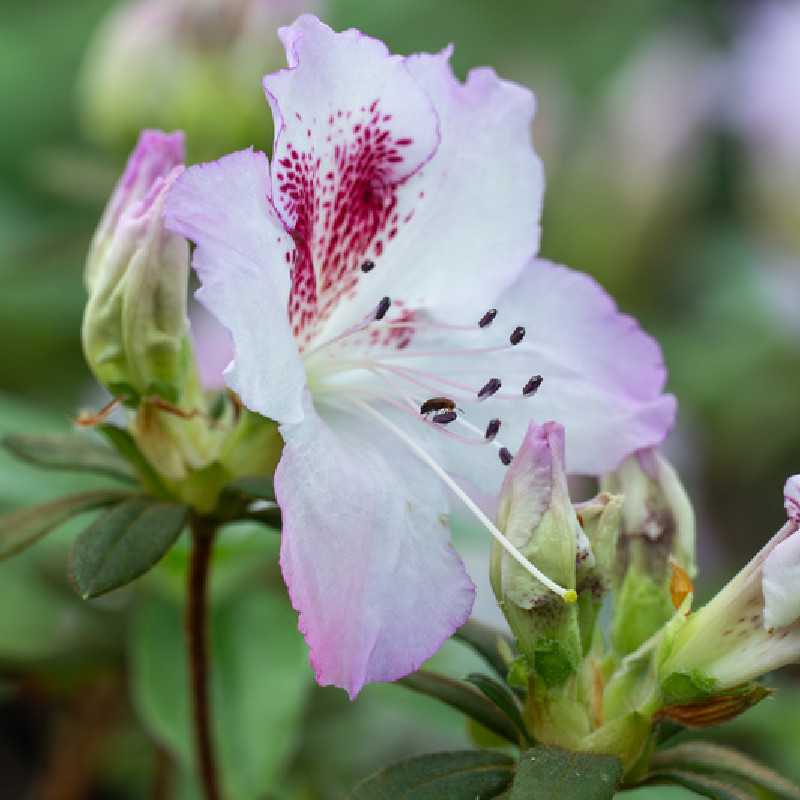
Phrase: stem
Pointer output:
(203, 532)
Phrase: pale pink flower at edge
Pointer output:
(400, 206)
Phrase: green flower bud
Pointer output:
(658, 530)
(536, 515)
(601, 519)
(135, 327)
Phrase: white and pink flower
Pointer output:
(752, 626)
(401, 206)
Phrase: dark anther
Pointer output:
(488, 318)
(505, 456)
(383, 307)
(532, 386)
(517, 335)
(444, 417)
(492, 429)
(368, 266)
(489, 388)
(437, 404)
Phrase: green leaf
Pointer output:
(705, 785)
(68, 451)
(124, 543)
(250, 498)
(499, 694)
(487, 643)
(22, 528)
(461, 775)
(260, 681)
(125, 445)
(463, 697)
(707, 757)
(550, 773)
(259, 487)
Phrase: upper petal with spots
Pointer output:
(352, 126)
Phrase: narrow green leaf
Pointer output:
(125, 445)
(705, 785)
(124, 543)
(708, 757)
(499, 694)
(22, 528)
(460, 775)
(68, 451)
(550, 773)
(463, 697)
(486, 642)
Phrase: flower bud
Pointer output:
(658, 530)
(189, 64)
(601, 519)
(536, 515)
(750, 628)
(135, 328)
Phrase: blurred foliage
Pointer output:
(678, 245)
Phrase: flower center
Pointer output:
(377, 363)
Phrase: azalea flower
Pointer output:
(384, 259)
(752, 626)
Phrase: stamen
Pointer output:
(86, 419)
(568, 595)
(505, 456)
(445, 417)
(488, 318)
(437, 404)
(489, 388)
(532, 386)
(368, 266)
(383, 307)
(492, 429)
(517, 335)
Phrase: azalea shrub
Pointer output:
(345, 419)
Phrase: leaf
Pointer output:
(68, 451)
(460, 775)
(465, 699)
(499, 694)
(259, 487)
(705, 785)
(550, 773)
(252, 498)
(125, 445)
(707, 757)
(22, 528)
(486, 642)
(260, 682)
(124, 543)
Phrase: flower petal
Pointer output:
(434, 181)
(213, 348)
(242, 259)
(351, 126)
(602, 375)
(781, 583)
(477, 225)
(365, 551)
(791, 498)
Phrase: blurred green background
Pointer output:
(672, 161)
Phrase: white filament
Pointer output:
(566, 594)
